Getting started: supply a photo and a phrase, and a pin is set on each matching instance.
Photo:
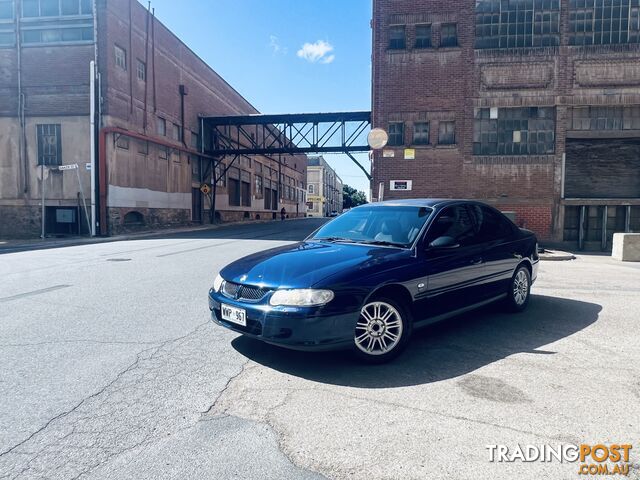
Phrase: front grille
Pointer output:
(244, 292)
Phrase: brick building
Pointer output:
(324, 189)
(531, 105)
(150, 89)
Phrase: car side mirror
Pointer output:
(444, 243)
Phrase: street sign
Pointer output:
(68, 167)
(205, 188)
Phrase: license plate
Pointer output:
(234, 315)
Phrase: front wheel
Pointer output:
(382, 331)
(519, 290)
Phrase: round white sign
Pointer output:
(377, 138)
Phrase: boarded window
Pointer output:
(49, 144)
(447, 133)
(421, 133)
(449, 35)
(234, 192)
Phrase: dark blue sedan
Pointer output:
(365, 280)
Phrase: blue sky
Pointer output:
(258, 46)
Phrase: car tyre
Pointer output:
(519, 290)
(382, 331)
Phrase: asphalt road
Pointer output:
(110, 369)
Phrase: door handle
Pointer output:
(476, 261)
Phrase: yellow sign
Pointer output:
(409, 154)
(205, 188)
(315, 198)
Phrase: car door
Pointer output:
(496, 235)
(451, 275)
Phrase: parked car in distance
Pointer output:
(368, 278)
(334, 213)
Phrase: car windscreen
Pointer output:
(389, 225)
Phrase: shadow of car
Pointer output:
(442, 351)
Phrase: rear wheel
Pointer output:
(519, 290)
(382, 331)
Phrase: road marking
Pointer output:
(34, 292)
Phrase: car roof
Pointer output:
(419, 202)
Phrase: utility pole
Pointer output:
(43, 195)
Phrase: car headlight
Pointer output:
(217, 283)
(306, 297)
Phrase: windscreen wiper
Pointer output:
(335, 239)
(383, 243)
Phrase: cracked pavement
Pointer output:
(120, 374)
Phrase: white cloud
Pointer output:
(274, 43)
(328, 59)
(313, 52)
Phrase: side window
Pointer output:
(490, 224)
(453, 222)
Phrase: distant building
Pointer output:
(324, 189)
(531, 105)
(151, 89)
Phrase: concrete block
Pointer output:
(626, 247)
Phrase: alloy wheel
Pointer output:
(379, 328)
(520, 288)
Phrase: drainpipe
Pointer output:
(22, 137)
(92, 143)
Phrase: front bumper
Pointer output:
(300, 328)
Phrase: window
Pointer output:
(490, 225)
(603, 22)
(76, 27)
(259, 186)
(423, 36)
(120, 56)
(517, 23)
(49, 144)
(311, 188)
(123, 142)
(141, 70)
(6, 9)
(163, 153)
(606, 118)
(455, 222)
(55, 8)
(57, 35)
(176, 132)
(397, 39)
(143, 147)
(396, 134)
(447, 133)
(421, 133)
(514, 131)
(449, 35)
(7, 39)
(161, 126)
